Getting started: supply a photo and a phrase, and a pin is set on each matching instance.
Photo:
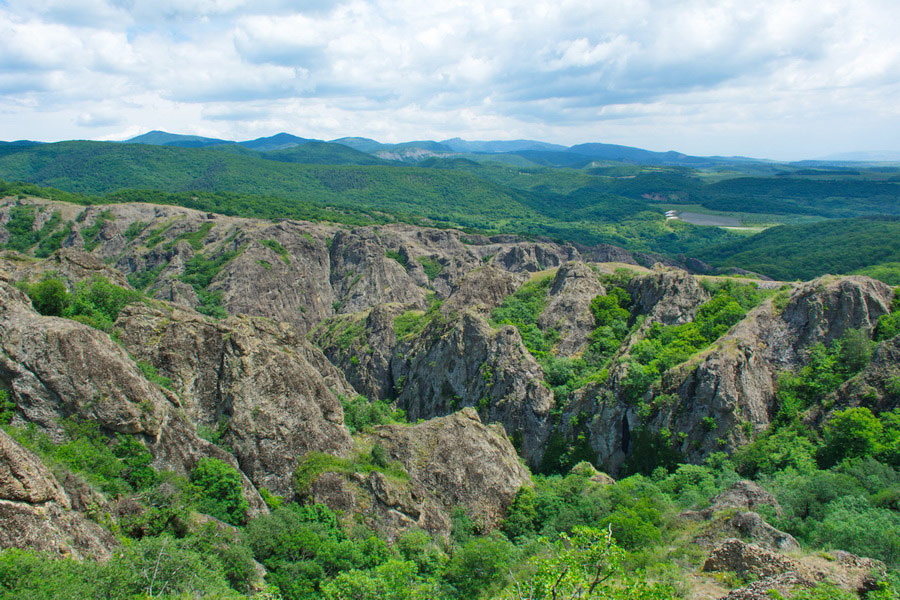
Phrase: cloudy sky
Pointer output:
(783, 79)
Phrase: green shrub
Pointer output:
(479, 566)
(303, 546)
(95, 301)
(278, 249)
(7, 408)
(522, 310)
(115, 465)
(400, 258)
(219, 491)
(49, 296)
(90, 234)
(774, 451)
(851, 523)
(856, 432)
(315, 463)
(432, 267)
(521, 516)
(151, 373)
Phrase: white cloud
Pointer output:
(703, 76)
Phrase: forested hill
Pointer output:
(589, 202)
(809, 250)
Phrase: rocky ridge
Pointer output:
(318, 315)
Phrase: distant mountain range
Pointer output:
(518, 152)
(541, 153)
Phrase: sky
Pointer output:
(780, 79)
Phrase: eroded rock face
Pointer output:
(35, 511)
(532, 257)
(452, 461)
(460, 461)
(362, 346)
(468, 363)
(363, 276)
(784, 584)
(59, 368)
(389, 507)
(568, 308)
(748, 559)
(746, 495)
(824, 309)
(482, 290)
(734, 381)
(270, 393)
(282, 272)
(847, 571)
(874, 387)
(670, 296)
(72, 264)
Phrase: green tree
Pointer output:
(219, 491)
(851, 433)
(584, 565)
(393, 580)
(479, 565)
(49, 296)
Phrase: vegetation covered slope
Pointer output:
(807, 251)
(269, 188)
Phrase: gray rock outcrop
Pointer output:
(460, 461)
(568, 308)
(36, 513)
(468, 363)
(271, 395)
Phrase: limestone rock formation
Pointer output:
(270, 394)
(460, 461)
(363, 276)
(784, 584)
(874, 387)
(822, 310)
(468, 363)
(452, 461)
(532, 257)
(668, 296)
(389, 507)
(482, 289)
(747, 559)
(57, 368)
(362, 346)
(733, 382)
(568, 310)
(847, 571)
(745, 495)
(36, 513)
(71, 264)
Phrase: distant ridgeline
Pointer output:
(588, 194)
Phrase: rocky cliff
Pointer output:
(400, 314)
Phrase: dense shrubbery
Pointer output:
(96, 302)
(522, 310)
(360, 413)
(555, 533)
(116, 465)
(219, 491)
